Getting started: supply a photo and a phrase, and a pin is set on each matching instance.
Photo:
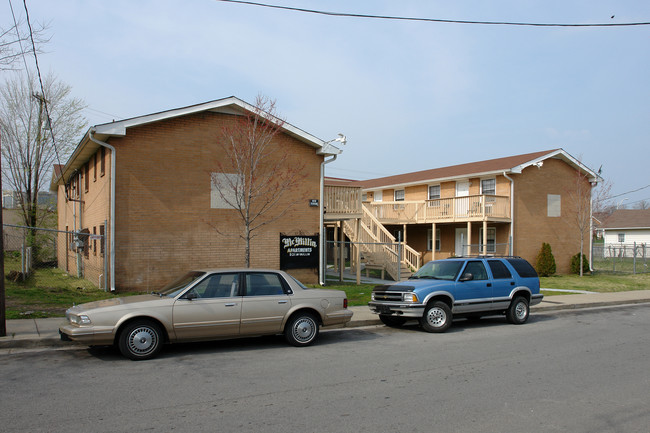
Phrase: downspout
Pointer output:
(321, 239)
(112, 211)
(512, 212)
(591, 229)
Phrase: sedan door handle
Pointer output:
(282, 302)
(231, 304)
(489, 284)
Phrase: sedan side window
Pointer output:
(217, 286)
(263, 284)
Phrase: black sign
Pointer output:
(313, 202)
(298, 251)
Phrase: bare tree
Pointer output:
(642, 204)
(580, 208)
(254, 177)
(16, 42)
(29, 121)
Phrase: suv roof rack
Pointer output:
(485, 256)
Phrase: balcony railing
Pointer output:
(342, 202)
(456, 209)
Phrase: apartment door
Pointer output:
(461, 240)
(462, 197)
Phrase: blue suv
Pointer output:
(460, 287)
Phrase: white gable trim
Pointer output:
(230, 105)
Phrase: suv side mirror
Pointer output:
(467, 276)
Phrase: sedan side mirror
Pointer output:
(467, 276)
(190, 295)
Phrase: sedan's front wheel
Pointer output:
(140, 340)
(301, 329)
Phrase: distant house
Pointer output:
(624, 229)
(140, 193)
(507, 205)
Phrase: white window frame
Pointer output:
(429, 192)
(494, 179)
(429, 239)
(403, 194)
(378, 196)
(491, 240)
(621, 237)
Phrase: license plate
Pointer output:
(384, 309)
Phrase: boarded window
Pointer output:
(554, 203)
(223, 187)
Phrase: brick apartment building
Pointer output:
(141, 192)
(507, 205)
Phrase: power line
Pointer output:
(20, 44)
(434, 20)
(40, 80)
(629, 192)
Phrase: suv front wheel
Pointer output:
(437, 317)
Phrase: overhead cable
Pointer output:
(434, 20)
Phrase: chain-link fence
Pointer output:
(30, 250)
(620, 257)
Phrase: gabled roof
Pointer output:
(230, 105)
(628, 219)
(510, 165)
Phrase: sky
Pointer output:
(408, 95)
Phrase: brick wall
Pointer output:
(164, 222)
(533, 226)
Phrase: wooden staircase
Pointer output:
(380, 249)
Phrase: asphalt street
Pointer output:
(578, 371)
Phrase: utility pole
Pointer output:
(3, 322)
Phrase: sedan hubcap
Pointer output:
(142, 340)
(303, 330)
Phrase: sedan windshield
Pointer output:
(439, 270)
(173, 289)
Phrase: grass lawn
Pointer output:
(601, 282)
(48, 292)
(360, 295)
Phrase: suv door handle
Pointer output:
(489, 284)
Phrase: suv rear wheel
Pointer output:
(437, 317)
(518, 311)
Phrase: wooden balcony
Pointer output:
(342, 202)
(444, 210)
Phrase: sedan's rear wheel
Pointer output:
(301, 329)
(437, 317)
(140, 340)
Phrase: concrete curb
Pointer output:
(43, 333)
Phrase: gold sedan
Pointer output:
(208, 305)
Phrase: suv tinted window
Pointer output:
(523, 268)
(477, 270)
(499, 270)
